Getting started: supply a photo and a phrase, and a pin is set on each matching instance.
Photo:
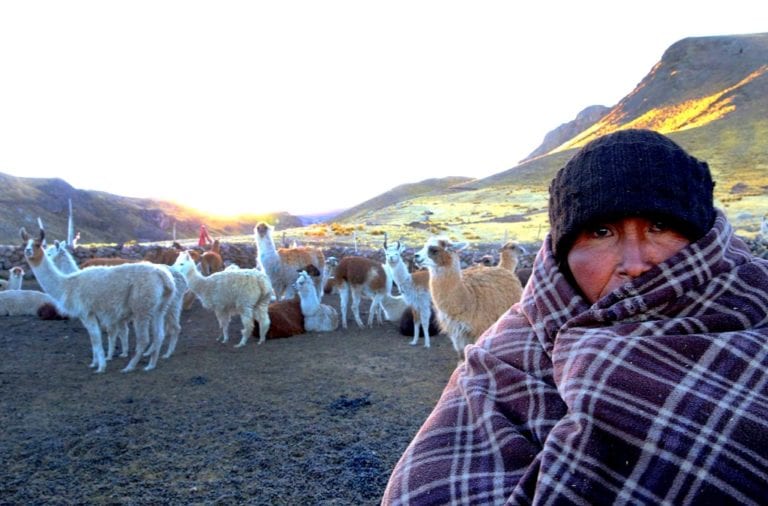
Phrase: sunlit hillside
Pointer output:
(710, 94)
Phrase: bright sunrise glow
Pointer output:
(301, 106)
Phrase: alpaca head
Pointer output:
(393, 253)
(439, 252)
(184, 263)
(262, 230)
(33, 248)
(303, 283)
(514, 248)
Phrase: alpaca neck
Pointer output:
(195, 280)
(267, 249)
(402, 276)
(52, 281)
(447, 287)
(309, 300)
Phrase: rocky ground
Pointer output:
(310, 419)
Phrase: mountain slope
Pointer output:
(402, 193)
(103, 217)
(710, 94)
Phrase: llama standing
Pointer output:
(63, 260)
(283, 265)
(468, 301)
(108, 296)
(414, 288)
(357, 277)
(244, 292)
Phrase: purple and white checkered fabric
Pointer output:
(656, 394)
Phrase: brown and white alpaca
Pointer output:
(282, 265)
(357, 277)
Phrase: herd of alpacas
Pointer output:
(280, 297)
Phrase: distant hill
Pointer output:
(105, 218)
(710, 94)
(567, 131)
(402, 193)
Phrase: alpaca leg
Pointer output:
(372, 311)
(416, 321)
(123, 335)
(262, 316)
(356, 307)
(459, 342)
(425, 316)
(97, 346)
(223, 318)
(158, 336)
(172, 329)
(111, 339)
(246, 319)
(141, 328)
(344, 303)
(375, 310)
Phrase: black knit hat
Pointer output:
(630, 173)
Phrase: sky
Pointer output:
(308, 106)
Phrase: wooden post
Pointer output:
(70, 226)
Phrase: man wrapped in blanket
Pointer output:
(635, 367)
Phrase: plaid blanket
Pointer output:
(656, 394)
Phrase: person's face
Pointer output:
(608, 255)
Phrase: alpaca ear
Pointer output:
(458, 246)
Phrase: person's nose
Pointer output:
(635, 258)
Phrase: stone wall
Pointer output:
(242, 254)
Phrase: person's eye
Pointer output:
(659, 226)
(599, 231)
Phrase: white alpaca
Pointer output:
(63, 259)
(317, 317)
(172, 320)
(65, 262)
(469, 301)
(108, 296)
(244, 292)
(414, 288)
(15, 278)
(283, 265)
(23, 302)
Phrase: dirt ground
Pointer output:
(319, 418)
